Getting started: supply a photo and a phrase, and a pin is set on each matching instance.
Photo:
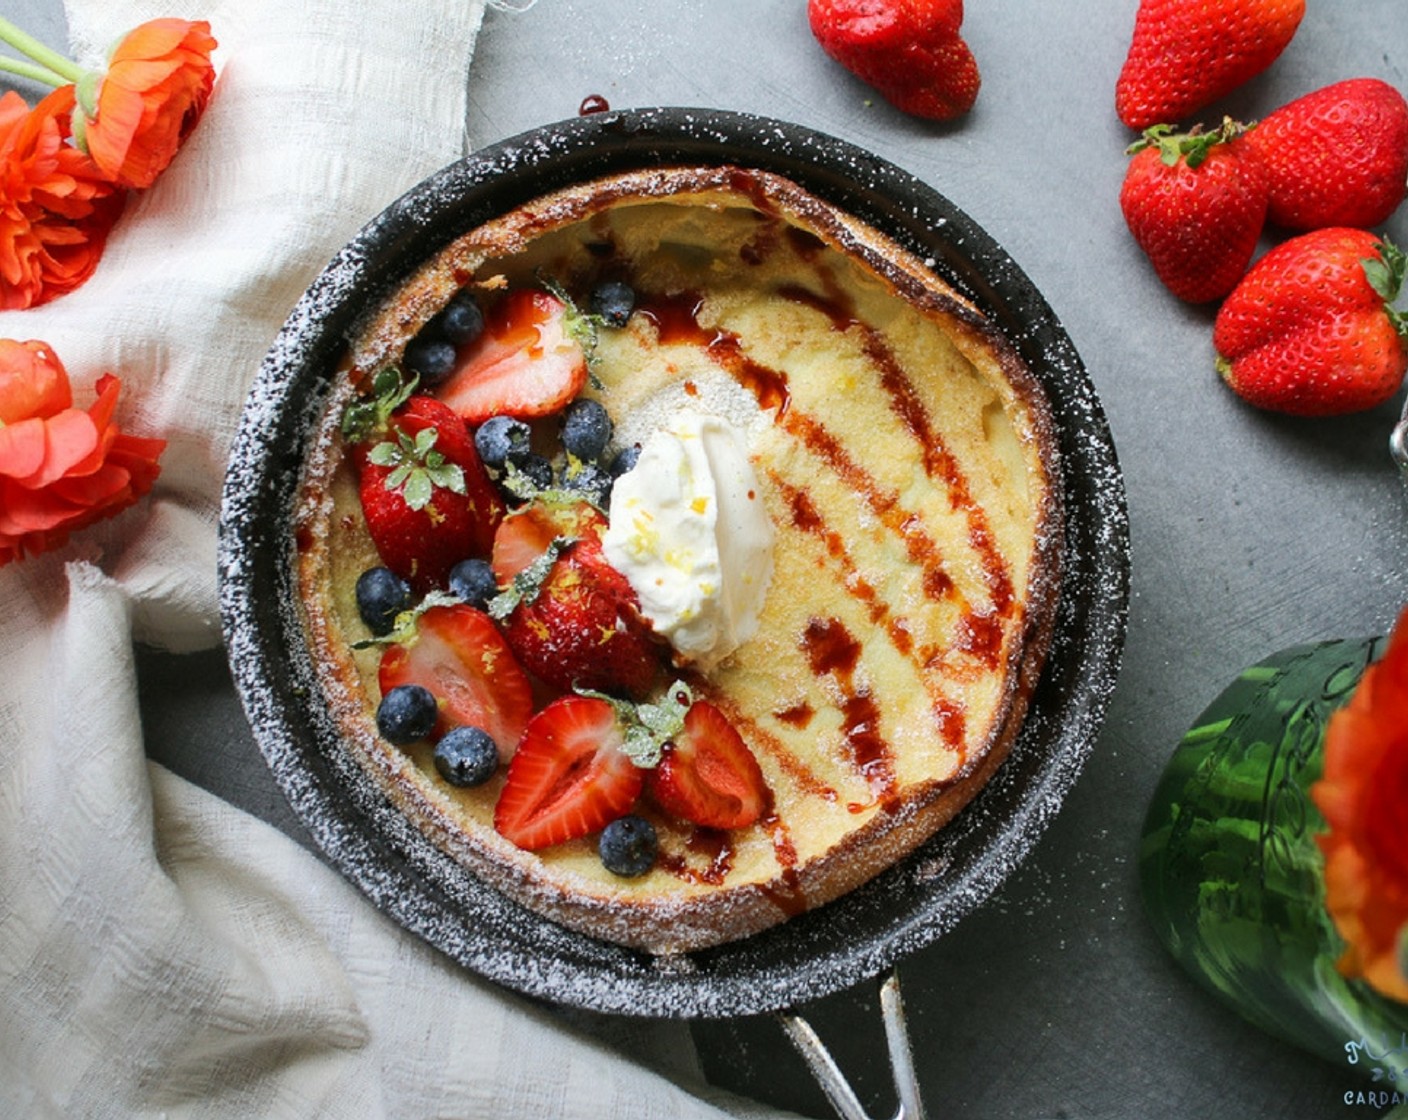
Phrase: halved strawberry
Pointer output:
(525, 534)
(572, 620)
(707, 774)
(459, 655)
(427, 499)
(527, 362)
(569, 777)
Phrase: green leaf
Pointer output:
(417, 489)
(1385, 274)
(1192, 146)
(417, 468)
(403, 630)
(368, 416)
(582, 326)
(528, 583)
(448, 476)
(647, 728)
(384, 454)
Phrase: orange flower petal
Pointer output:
(22, 448)
(108, 485)
(71, 440)
(28, 511)
(156, 87)
(159, 37)
(33, 382)
(56, 207)
(1363, 795)
(60, 473)
(13, 109)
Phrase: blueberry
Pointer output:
(592, 482)
(466, 756)
(473, 581)
(613, 301)
(381, 596)
(538, 470)
(461, 322)
(586, 429)
(407, 713)
(625, 460)
(501, 440)
(628, 846)
(432, 358)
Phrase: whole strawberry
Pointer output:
(1185, 54)
(1195, 203)
(910, 51)
(1337, 156)
(570, 618)
(1311, 329)
(426, 497)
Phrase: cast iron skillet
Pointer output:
(810, 956)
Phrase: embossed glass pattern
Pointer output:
(1231, 874)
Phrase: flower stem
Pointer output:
(32, 71)
(51, 60)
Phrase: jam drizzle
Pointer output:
(940, 464)
(707, 859)
(834, 652)
(807, 518)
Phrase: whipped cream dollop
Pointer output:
(689, 531)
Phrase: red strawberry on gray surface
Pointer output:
(911, 51)
(1195, 203)
(1311, 330)
(1337, 156)
(1185, 54)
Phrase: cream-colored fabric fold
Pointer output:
(161, 952)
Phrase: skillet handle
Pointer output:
(829, 1076)
(1398, 445)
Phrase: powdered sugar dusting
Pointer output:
(430, 893)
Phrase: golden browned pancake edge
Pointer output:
(975, 616)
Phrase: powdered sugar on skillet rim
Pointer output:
(812, 955)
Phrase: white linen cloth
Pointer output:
(161, 952)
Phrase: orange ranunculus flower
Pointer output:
(155, 88)
(1364, 797)
(61, 468)
(56, 208)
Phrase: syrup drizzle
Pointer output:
(676, 320)
(707, 858)
(806, 517)
(833, 651)
(786, 893)
(939, 463)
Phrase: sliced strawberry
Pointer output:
(525, 534)
(459, 655)
(707, 774)
(569, 777)
(526, 363)
(577, 625)
(427, 499)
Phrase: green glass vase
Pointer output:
(1231, 875)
